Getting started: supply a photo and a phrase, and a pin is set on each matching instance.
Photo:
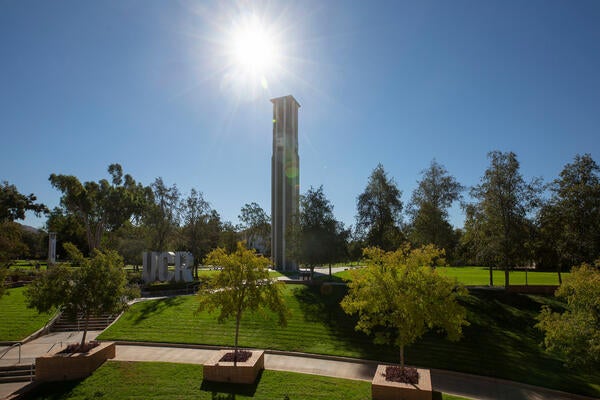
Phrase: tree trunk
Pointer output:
(85, 328)
(330, 271)
(491, 276)
(506, 278)
(238, 319)
(559, 274)
(402, 356)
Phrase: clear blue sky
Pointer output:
(146, 84)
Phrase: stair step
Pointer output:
(12, 379)
(19, 367)
(17, 373)
(5, 374)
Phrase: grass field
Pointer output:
(146, 380)
(480, 276)
(500, 342)
(18, 321)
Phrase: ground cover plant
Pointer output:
(480, 276)
(501, 341)
(18, 321)
(151, 380)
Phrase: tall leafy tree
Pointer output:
(243, 284)
(435, 193)
(256, 225)
(398, 297)
(101, 206)
(379, 211)
(97, 286)
(318, 238)
(69, 228)
(228, 235)
(13, 206)
(570, 220)
(162, 215)
(201, 227)
(498, 223)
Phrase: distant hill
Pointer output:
(31, 229)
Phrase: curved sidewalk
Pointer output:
(470, 386)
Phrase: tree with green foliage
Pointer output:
(201, 227)
(435, 193)
(570, 220)
(69, 228)
(162, 214)
(497, 224)
(399, 296)
(256, 225)
(89, 287)
(101, 206)
(379, 211)
(13, 206)
(318, 238)
(243, 284)
(574, 334)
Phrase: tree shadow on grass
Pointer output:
(321, 304)
(229, 391)
(155, 307)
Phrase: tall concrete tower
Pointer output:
(285, 177)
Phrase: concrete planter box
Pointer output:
(386, 390)
(65, 367)
(224, 371)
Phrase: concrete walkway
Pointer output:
(469, 386)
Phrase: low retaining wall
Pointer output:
(386, 390)
(224, 371)
(65, 367)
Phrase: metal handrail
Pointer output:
(10, 348)
(55, 343)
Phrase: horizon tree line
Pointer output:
(509, 222)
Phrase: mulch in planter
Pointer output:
(77, 348)
(402, 375)
(242, 355)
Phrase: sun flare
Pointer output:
(254, 49)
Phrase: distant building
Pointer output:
(285, 177)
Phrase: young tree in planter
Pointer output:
(90, 287)
(575, 333)
(242, 285)
(399, 296)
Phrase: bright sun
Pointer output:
(253, 48)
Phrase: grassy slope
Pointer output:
(143, 380)
(18, 321)
(480, 276)
(500, 342)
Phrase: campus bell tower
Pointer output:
(285, 177)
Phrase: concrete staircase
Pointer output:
(67, 323)
(17, 373)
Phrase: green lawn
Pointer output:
(147, 380)
(501, 341)
(18, 321)
(480, 276)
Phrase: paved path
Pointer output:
(36, 348)
(469, 386)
